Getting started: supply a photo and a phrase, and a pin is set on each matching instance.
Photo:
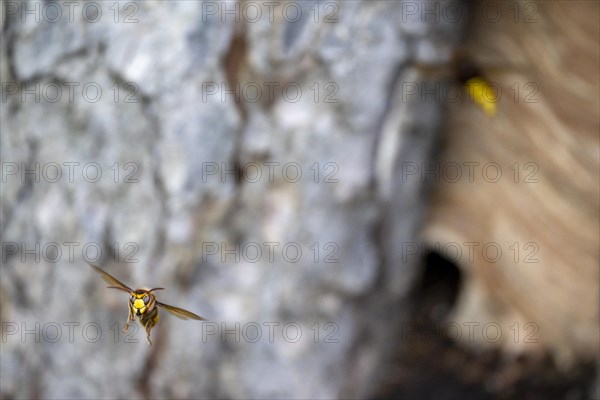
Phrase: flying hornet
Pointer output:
(469, 75)
(479, 88)
(143, 304)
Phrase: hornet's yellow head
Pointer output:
(141, 301)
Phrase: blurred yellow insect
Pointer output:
(467, 73)
(143, 304)
(479, 89)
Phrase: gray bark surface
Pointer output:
(170, 129)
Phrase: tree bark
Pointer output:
(158, 160)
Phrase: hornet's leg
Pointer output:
(148, 328)
(129, 319)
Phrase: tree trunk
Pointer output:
(254, 168)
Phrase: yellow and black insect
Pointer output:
(143, 304)
(477, 86)
(464, 70)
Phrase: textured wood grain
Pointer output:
(559, 55)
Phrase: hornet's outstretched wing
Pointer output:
(116, 284)
(180, 312)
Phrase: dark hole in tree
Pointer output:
(438, 289)
(430, 365)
